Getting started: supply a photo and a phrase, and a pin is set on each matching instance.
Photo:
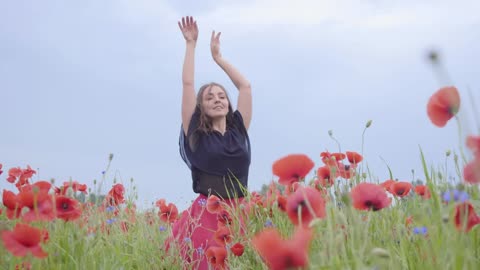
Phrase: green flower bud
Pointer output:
(380, 252)
(369, 123)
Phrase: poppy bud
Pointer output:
(445, 218)
(448, 153)
(380, 252)
(369, 123)
(433, 56)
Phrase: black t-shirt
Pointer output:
(219, 163)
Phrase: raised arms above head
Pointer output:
(244, 105)
(189, 30)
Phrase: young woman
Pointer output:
(214, 143)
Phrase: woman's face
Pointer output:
(215, 102)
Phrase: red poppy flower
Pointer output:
(465, 217)
(471, 171)
(124, 226)
(354, 157)
(423, 191)
(23, 240)
(23, 176)
(280, 254)
(306, 203)
(167, 213)
(42, 186)
(14, 206)
(216, 257)
(214, 204)
(292, 168)
(13, 174)
(473, 143)
(443, 105)
(74, 185)
(67, 208)
(330, 159)
(224, 218)
(42, 211)
(345, 171)
(23, 266)
(408, 221)
(386, 185)
(255, 198)
(282, 203)
(400, 189)
(368, 196)
(1, 168)
(116, 195)
(325, 177)
(237, 249)
(39, 202)
(223, 236)
(45, 236)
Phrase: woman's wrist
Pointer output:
(218, 59)
(192, 43)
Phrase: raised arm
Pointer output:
(244, 105)
(190, 32)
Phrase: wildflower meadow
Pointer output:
(342, 217)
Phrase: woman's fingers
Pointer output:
(186, 22)
(215, 37)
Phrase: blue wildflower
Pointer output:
(112, 220)
(202, 202)
(187, 240)
(268, 223)
(420, 230)
(162, 228)
(199, 251)
(458, 196)
(110, 209)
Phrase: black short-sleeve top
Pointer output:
(219, 163)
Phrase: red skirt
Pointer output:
(192, 233)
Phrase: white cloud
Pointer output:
(347, 13)
(146, 12)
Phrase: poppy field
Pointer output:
(322, 212)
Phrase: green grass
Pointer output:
(345, 239)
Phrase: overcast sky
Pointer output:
(81, 80)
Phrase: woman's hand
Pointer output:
(215, 46)
(189, 29)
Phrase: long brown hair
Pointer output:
(205, 124)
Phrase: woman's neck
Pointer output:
(219, 125)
